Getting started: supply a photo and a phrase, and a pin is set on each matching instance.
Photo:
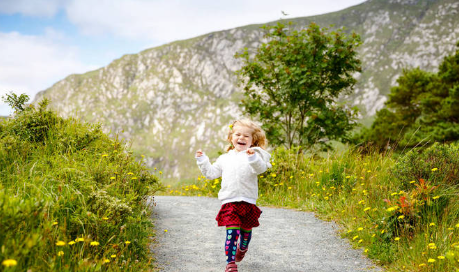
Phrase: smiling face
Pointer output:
(241, 138)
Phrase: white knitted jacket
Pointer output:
(239, 173)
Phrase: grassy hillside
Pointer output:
(71, 198)
(402, 211)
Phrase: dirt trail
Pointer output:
(286, 241)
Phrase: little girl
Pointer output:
(239, 167)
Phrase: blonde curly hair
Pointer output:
(258, 135)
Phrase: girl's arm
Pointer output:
(210, 171)
(258, 165)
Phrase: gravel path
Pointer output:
(286, 241)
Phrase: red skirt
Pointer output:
(239, 213)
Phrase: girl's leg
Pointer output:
(245, 238)
(232, 236)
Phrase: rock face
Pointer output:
(172, 99)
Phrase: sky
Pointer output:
(43, 41)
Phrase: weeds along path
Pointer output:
(286, 241)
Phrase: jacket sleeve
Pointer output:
(257, 164)
(210, 171)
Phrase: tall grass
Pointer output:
(71, 197)
(402, 211)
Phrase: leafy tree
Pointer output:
(422, 109)
(16, 102)
(292, 83)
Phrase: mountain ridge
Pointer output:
(177, 97)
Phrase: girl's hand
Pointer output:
(199, 153)
(250, 152)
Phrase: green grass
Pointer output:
(402, 218)
(71, 198)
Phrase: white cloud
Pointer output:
(37, 8)
(169, 20)
(29, 64)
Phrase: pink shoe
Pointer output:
(231, 267)
(240, 254)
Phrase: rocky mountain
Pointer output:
(172, 99)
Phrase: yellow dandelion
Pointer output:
(160, 172)
(441, 257)
(104, 155)
(95, 243)
(54, 223)
(127, 242)
(366, 250)
(359, 229)
(434, 169)
(79, 239)
(9, 262)
(105, 218)
(397, 238)
(457, 225)
(291, 177)
(373, 235)
(436, 197)
(130, 173)
(360, 241)
(401, 217)
(432, 224)
(134, 178)
(112, 178)
(289, 188)
(355, 237)
(431, 260)
(60, 253)
(106, 260)
(60, 243)
(165, 230)
(413, 181)
(348, 177)
(71, 243)
(273, 175)
(113, 256)
(432, 246)
(383, 231)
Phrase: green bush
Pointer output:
(438, 164)
(71, 198)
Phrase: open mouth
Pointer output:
(241, 143)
